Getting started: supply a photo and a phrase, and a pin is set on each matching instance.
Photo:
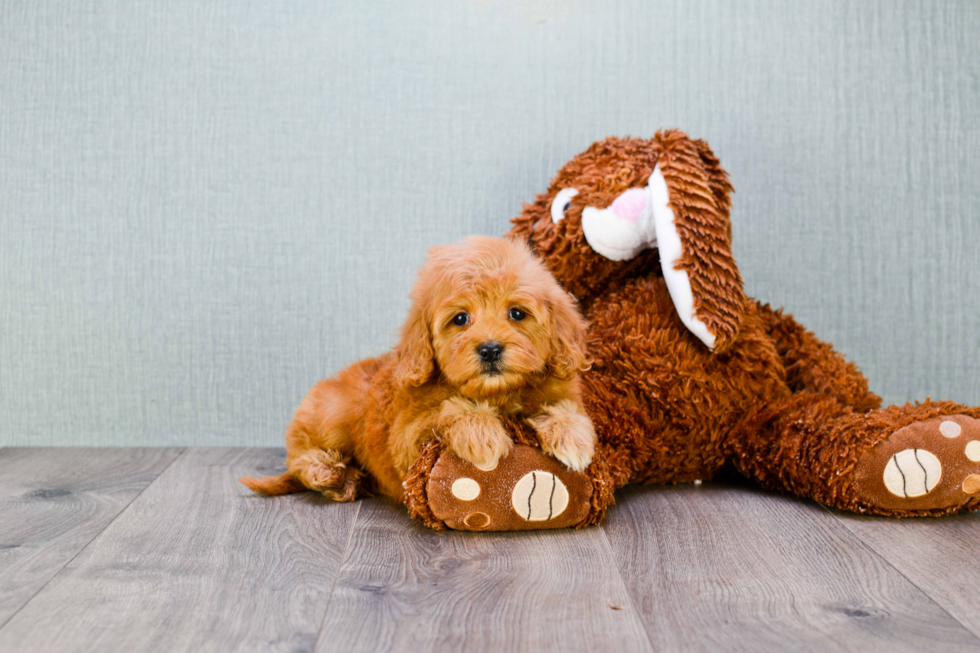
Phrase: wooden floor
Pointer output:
(161, 550)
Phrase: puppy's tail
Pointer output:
(271, 486)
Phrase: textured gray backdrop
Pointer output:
(205, 207)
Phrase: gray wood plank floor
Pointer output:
(406, 588)
(196, 564)
(737, 569)
(161, 550)
(53, 503)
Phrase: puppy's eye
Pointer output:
(461, 319)
(561, 203)
(517, 314)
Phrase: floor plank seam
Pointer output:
(626, 590)
(94, 537)
(340, 569)
(867, 545)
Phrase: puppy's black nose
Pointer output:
(490, 351)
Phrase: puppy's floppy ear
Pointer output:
(415, 356)
(694, 235)
(568, 355)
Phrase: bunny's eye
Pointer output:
(561, 203)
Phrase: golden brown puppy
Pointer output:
(490, 333)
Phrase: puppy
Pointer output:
(489, 334)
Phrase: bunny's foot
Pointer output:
(927, 467)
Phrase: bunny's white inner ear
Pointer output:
(671, 248)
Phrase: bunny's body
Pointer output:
(690, 375)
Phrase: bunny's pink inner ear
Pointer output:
(694, 237)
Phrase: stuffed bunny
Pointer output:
(690, 375)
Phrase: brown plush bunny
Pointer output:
(690, 375)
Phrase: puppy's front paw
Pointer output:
(474, 432)
(566, 434)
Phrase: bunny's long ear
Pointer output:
(691, 202)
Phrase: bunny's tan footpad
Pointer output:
(927, 466)
(526, 490)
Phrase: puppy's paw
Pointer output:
(473, 430)
(566, 433)
(328, 472)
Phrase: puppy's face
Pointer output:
(489, 318)
(491, 336)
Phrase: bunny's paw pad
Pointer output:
(526, 490)
(932, 466)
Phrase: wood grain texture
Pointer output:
(940, 556)
(405, 588)
(197, 563)
(53, 502)
(735, 569)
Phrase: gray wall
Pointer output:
(204, 207)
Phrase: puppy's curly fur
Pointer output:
(490, 333)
